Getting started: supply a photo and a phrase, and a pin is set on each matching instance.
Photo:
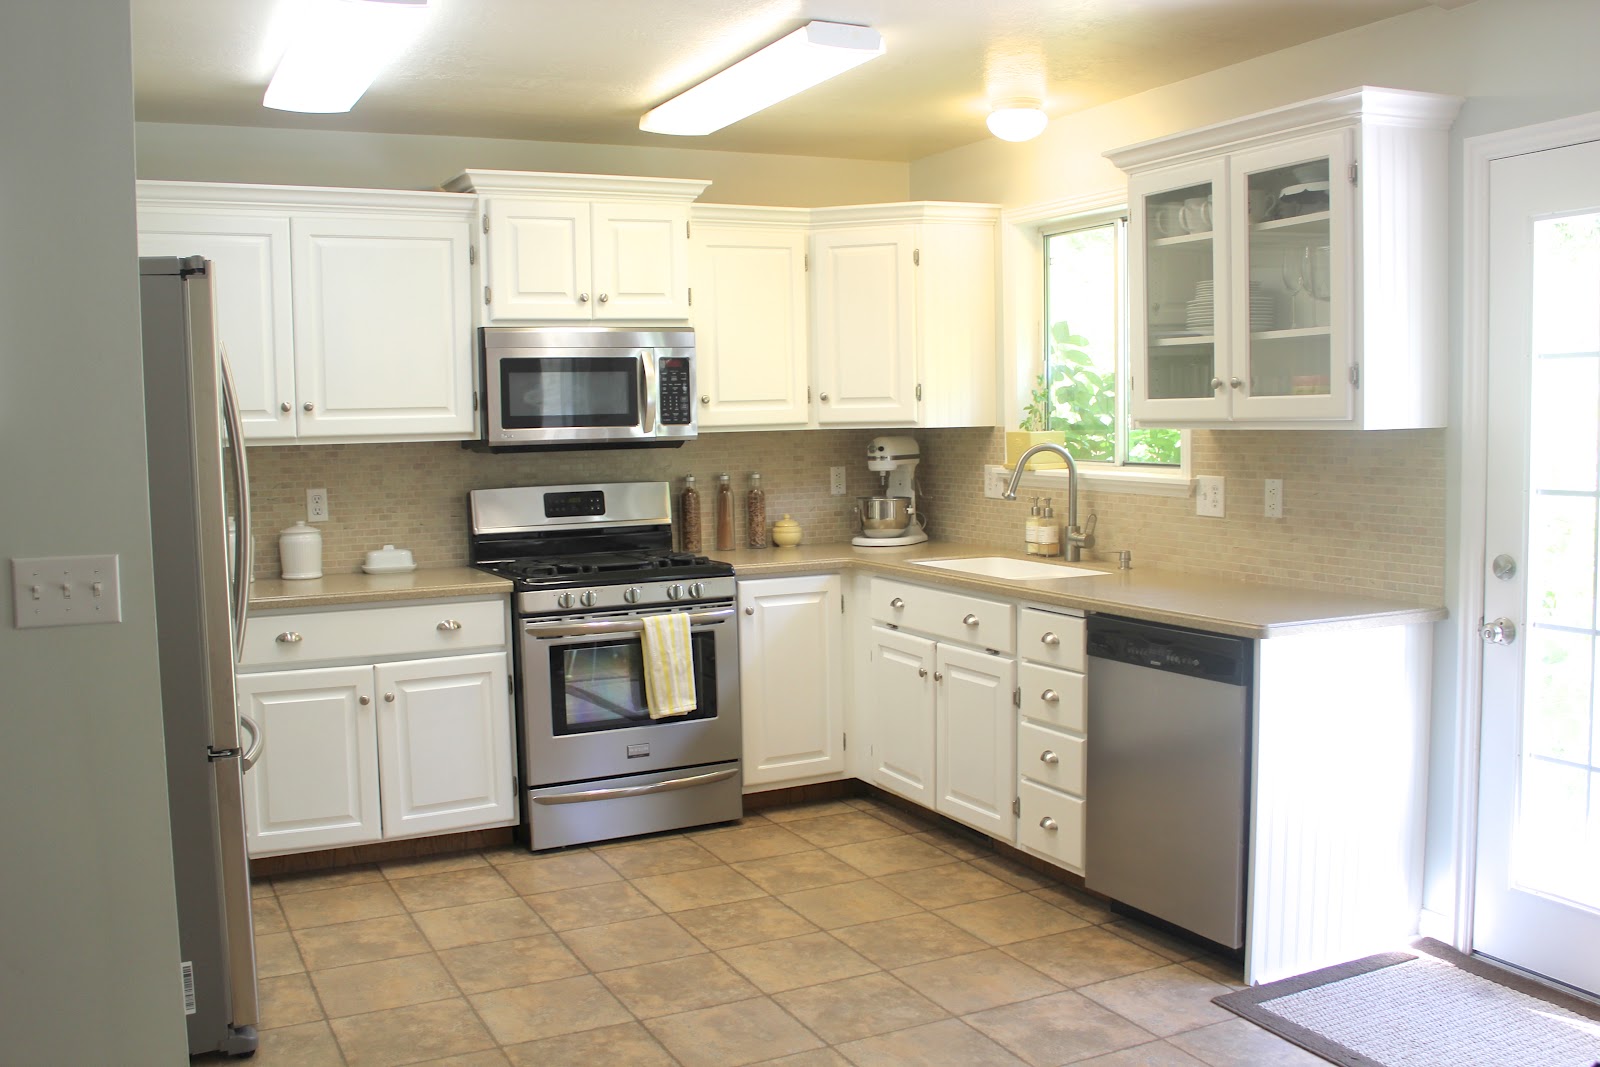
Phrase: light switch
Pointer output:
(66, 590)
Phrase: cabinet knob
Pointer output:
(749, 611)
(1216, 383)
(970, 620)
(897, 603)
(1049, 757)
(583, 298)
(705, 398)
(1050, 696)
(824, 398)
(363, 700)
(1235, 382)
(1050, 639)
(388, 698)
(938, 676)
(1047, 823)
(922, 672)
(309, 406)
(289, 637)
(286, 407)
(604, 298)
(449, 624)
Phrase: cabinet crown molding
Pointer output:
(1404, 108)
(532, 183)
(914, 211)
(303, 199)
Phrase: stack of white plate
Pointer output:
(1200, 313)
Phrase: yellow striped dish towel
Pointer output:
(668, 665)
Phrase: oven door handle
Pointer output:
(647, 389)
(637, 790)
(614, 626)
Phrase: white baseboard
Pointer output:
(1437, 925)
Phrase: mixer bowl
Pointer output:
(884, 516)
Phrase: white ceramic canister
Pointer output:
(300, 551)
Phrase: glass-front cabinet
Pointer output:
(1288, 268)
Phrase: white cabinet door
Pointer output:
(444, 741)
(252, 304)
(383, 327)
(750, 325)
(641, 260)
(976, 738)
(540, 264)
(901, 698)
(957, 331)
(315, 784)
(865, 341)
(791, 679)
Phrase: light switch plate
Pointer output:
(66, 590)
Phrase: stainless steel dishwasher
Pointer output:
(1168, 773)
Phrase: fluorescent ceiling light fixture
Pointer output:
(1018, 120)
(809, 56)
(338, 48)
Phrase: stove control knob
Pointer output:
(565, 600)
(587, 598)
(674, 591)
(632, 594)
(697, 589)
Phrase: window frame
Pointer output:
(1023, 233)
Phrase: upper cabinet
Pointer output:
(903, 311)
(345, 315)
(579, 247)
(1288, 269)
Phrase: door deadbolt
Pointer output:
(1505, 568)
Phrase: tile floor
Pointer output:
(841, 933)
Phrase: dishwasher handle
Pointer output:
(1171, 649)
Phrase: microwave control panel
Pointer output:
(676, 392)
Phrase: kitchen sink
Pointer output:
(1006, 568)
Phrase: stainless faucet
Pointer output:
(1074, 536)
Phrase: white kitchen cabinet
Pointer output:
(391, 722)
(1289, 268)
(791, 678)
(976, 737)
(345, 314)
(900, 707)
(747, 267)
(903, 307)
(1051, 735)
(581, 247)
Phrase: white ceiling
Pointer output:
(585, 71)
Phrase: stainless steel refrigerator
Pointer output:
(200, 530)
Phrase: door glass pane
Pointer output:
(1291, 279)
(1180, 293)
(600, 685)
(1556, 847)
(553, 391)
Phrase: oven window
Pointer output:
(558, 391)
(600, 685)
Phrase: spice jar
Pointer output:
(689, 516)
(724, 514)
(755, 514)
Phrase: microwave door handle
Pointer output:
(647, 389)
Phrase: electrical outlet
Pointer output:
(1274, 498)
(994, 481)
(316, 505)
(1208, 496)
(836, 481)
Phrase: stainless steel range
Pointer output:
(590, 563)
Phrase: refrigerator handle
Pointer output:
(244, 558)
(257, 739)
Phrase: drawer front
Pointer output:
(1054, 696)
(1050, 637)
(1051, 824)
(1050, 757)
(958, 617)
(359, 634)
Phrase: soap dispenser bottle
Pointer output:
(1030, 529)
(1049, 532)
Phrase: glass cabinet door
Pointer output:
(1292, 283)
(1177, 234)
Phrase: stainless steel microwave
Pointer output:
(566, 387)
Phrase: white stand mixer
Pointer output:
(892, 519)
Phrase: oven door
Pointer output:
(555, 395)
(584, 713)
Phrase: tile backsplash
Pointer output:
(1363, 512)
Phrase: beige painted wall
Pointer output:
(402, 161)
(88, 930)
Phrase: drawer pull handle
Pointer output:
(938, 676)
(1050, 696)
(971, 620)
(289, 637)
(922, 672)
(1047, 823)
(450, 624)
(388, 698)
(897, 603)
(363, 700)
(1049, 757)
(1050, 639)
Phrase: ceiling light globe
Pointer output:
(1017, 123)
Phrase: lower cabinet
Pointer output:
(791, 678)
(1052, 742)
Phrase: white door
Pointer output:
(865, 307)
(900, 709)
(641, 260)
(976, 738)
(539, 260)
(1538, 877)
(315, 784)
(791, 687)
(383, 327)
(750, 325)
(444, 741)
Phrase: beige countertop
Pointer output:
(1221, 605)
(331, 590)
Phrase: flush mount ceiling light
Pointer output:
(1018, 120)
(336, 51)
(809, 56)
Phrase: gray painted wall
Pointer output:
(88, 936)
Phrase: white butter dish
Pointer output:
(389, 560)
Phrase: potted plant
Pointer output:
(1045, 400)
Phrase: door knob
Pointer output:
(308, 405)
(824, 398)
(583, 298)
(1047, 823)
(1235, 382)
(363, 700)
(1049, 757)
(604, 298)
(286, 406)
(749, 611)
(388, 698)
(938, 676)
(705, 398)
(1216, 383)
(1501, 631)
(922, 672)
